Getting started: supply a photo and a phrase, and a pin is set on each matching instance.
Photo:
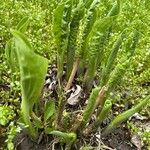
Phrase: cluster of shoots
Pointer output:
(80, 39)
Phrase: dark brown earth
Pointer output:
(24, 142)
(118, 140)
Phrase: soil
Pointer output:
(24, 142)
(118, 140)
(2, 140)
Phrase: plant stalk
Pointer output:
(100, 117)
(73, 73)
(61, 106)
(26, 118)
(96, 98)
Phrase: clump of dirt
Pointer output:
(23, 142)
(118, 139)
(2, 140)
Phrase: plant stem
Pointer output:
(96, 98)
(74, 70)
(26, 118)
(77, 123)
(100, 99)
(61, 106)
(60, 62)
(100, 117)
(89, 75)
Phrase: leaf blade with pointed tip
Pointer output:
(49, 110)
(33, 69)
(23, 24)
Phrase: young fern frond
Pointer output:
(95, 47)
(88, 22)
(110, 61)
(85, 26)
(72, 44)
(102, 115)
(67, 137)
(125, 115)
(104, 40)
(118, 73)
(61, 20)
(121, 68)
(96, 35)
(90, 106)
(96, 98)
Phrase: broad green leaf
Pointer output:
(33, 69)
(49, 109)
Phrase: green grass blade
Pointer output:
(115, 10)
(23, 24)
